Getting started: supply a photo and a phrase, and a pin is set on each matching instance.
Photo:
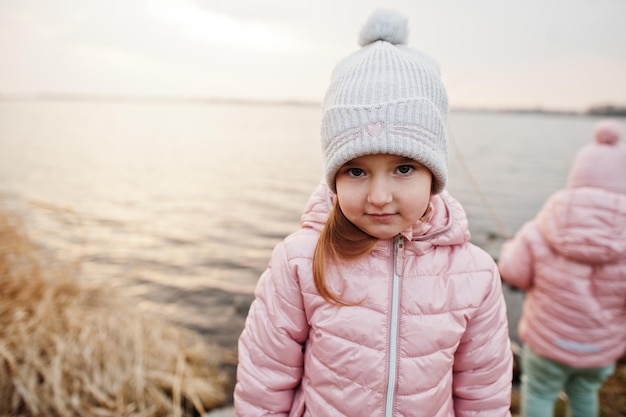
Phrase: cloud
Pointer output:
(219, 29)
(565, 53)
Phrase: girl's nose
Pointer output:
(379, 192)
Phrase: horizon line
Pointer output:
(606, 109)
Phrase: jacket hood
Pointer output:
(446, 223)
(585, 224)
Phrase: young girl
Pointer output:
(379, 305)
(571, 260)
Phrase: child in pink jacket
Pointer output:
(571, 260)
(379, 305)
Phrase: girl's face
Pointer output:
(383, 194)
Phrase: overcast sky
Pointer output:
(555, 54)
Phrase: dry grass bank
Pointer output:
(68, 349)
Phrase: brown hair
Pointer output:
(340, 240)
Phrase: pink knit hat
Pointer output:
(601, 164)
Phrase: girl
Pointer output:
(379, 305)
(571, 260)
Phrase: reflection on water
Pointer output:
(178, 202)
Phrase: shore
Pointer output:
(214, 315)
(70, 348)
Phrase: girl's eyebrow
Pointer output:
(405, 160)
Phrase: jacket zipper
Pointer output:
(393, 331)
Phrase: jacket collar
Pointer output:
(445, 224)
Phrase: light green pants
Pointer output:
(543, 379)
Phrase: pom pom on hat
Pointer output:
(608, 132)
(602, 163)
(385, 25)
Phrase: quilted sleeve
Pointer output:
(270, 346)
(516, 259)
(483, 362)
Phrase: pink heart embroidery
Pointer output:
(374, 129)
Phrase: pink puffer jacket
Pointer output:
(572, 261)
(432, 342)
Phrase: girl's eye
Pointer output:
(404, 169)
(356, 172)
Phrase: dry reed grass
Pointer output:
(68, 349)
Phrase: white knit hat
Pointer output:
(386, 98)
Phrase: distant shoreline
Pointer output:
(608, 110)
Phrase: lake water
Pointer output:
(181, 203)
